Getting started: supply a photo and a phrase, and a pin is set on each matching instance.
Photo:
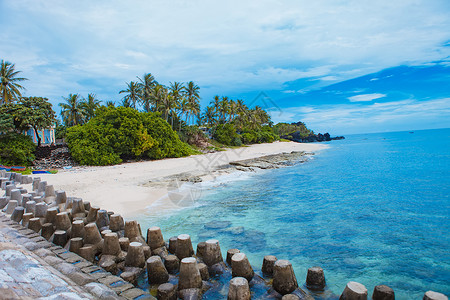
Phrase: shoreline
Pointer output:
(129, 188)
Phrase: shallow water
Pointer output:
(372, 208)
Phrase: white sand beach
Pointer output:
(130, 187)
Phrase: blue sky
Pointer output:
(340, 66)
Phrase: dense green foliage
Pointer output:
(285, 129)
(16, 149)
(227, 135)
(34, 112)
(117, 133)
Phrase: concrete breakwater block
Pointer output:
(173, 244)
(102, 220)
(78, 229)
(383, 292)
(172, 264)
(132, 231)
(75, 244)
(62, 221)
(135, 256)
(116, 223)
(60, 197)
(78, 208)
(3, 202)
(212, 254)
(189, 274)
(354, 291)
(111, 245)
(241, 267)
(47, 231)
(41, 210)
(315, 279)
(184, 246)
(35, 224)
(155, 238)
(430, 295)
(50, 217)
(239, 289)
(230, 253)
(167, 291)
(92, 214)
(284, 280)
(17, 214)
(60, 238)
(156, 271)
(26, 219)
(12, 204)
(268, 264)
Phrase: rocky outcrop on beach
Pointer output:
(274, 161)
(53, 157)
(312, 138)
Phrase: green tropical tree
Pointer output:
(72, 111)
(183, 110)
(89, 106)
(210, 115)
(158, 94)
(10, 84)
(35, 112)
(193, 96)
(146, 86)
(132, 93)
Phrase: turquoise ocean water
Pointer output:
(373, 208)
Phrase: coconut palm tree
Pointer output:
(158, 94)
(133, 93)
(210, 115)
(146, 86)
(9, 84)
(224, 107)
(89, 106)
(72, 111)
(183, 110)
(193, 97)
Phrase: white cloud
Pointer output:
(226, 47)
(366, 97)
(376, 117)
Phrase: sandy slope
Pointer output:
(128, 188)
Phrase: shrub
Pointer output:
(16, 149)
(168, 144)
(226, 134)
(118, 133)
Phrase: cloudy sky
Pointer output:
(290, 50)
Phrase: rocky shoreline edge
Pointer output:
(273, 161)
(86, 235)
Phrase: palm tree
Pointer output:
(146, 86)
(184, 109)
(224, 107)
(110, 103)
(89, 106)
(210, 115)
(9, 84)
(72, 111)
(132, 93)
(193, 97)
